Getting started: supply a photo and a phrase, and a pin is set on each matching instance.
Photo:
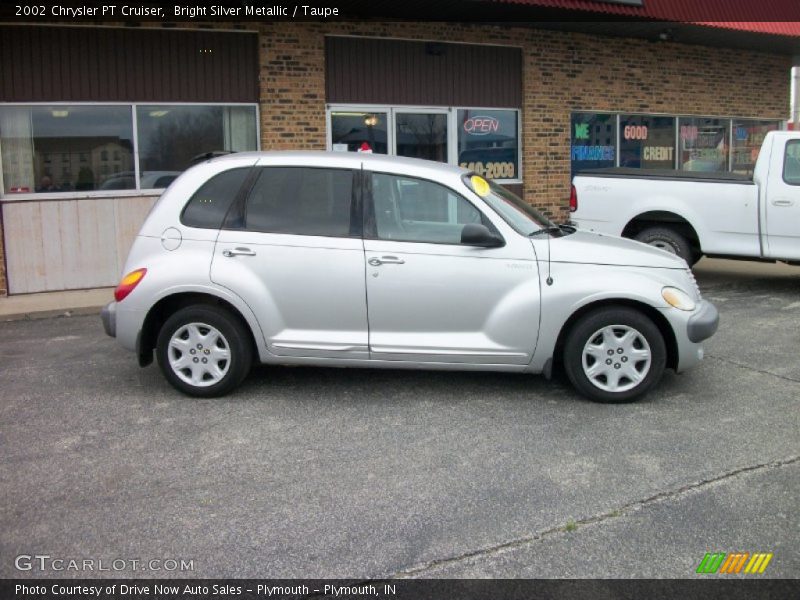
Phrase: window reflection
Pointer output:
(171, 137)
(77, 148)
(704, 144)
(422, 135)
(64, 148)
(747, 139)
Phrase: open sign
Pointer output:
(481, 125)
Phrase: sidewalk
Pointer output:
(54, 304)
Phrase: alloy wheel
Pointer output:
(616, 358)
(199, 354)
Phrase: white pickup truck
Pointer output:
(694, 214)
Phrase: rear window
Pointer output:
(301, 201)
(207, 208)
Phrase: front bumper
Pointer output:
(703, 324)
(690, 329)
(109, 317)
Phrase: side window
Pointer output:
(416, 210)
(301, 201)
(791, 163)
(208, 206)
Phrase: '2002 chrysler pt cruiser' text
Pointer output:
(338, 259)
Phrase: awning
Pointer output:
(777, 17)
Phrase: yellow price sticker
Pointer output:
(480, 185)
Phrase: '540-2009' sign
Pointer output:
(491, 170)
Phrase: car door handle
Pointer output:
(782, 202)
(238, 252)
(386, 260)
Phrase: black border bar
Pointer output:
(506, 11)
(703, 587)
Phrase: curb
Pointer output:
(51, 314)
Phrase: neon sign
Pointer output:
(593, 152)
(481, 125)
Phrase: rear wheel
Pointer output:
(614, 354)
(670, 240)
(204, 351)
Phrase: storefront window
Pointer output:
(481, 139)
(421, 135)
(360, 132)
(488, 142)
(594, 141)
(704, 144)
(60, 148)
(172, 137)
(747, 138)
(85, 148)
(647, 142)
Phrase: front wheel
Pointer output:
(204, 351)
(614, 355)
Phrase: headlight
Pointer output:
(678, 298)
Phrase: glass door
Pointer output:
(357, 130)
(422, 134)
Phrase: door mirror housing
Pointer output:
(477, 234)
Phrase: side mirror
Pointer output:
(476, 234)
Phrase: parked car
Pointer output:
(147, 180)
(692, 214)
(338, 259)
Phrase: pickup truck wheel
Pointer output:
(669, 240)
(614, 355)
(203, 351)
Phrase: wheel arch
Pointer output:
(663, 218)
(168, 305)
(654, 314)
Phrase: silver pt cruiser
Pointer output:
(353, 260)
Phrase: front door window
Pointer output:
(416, 210)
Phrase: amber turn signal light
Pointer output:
(130, 281)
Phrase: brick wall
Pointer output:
(562, 72)
(292, 87)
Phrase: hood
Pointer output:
(599, 249)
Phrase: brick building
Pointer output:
(527, 104)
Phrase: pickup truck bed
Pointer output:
(695, 213)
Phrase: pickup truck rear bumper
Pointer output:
(703, 324)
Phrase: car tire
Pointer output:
(614, 355)
(204, 351)
(696, 256)
(670, 240)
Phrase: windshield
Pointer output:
(523, 217)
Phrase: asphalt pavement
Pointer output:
(312, 472)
